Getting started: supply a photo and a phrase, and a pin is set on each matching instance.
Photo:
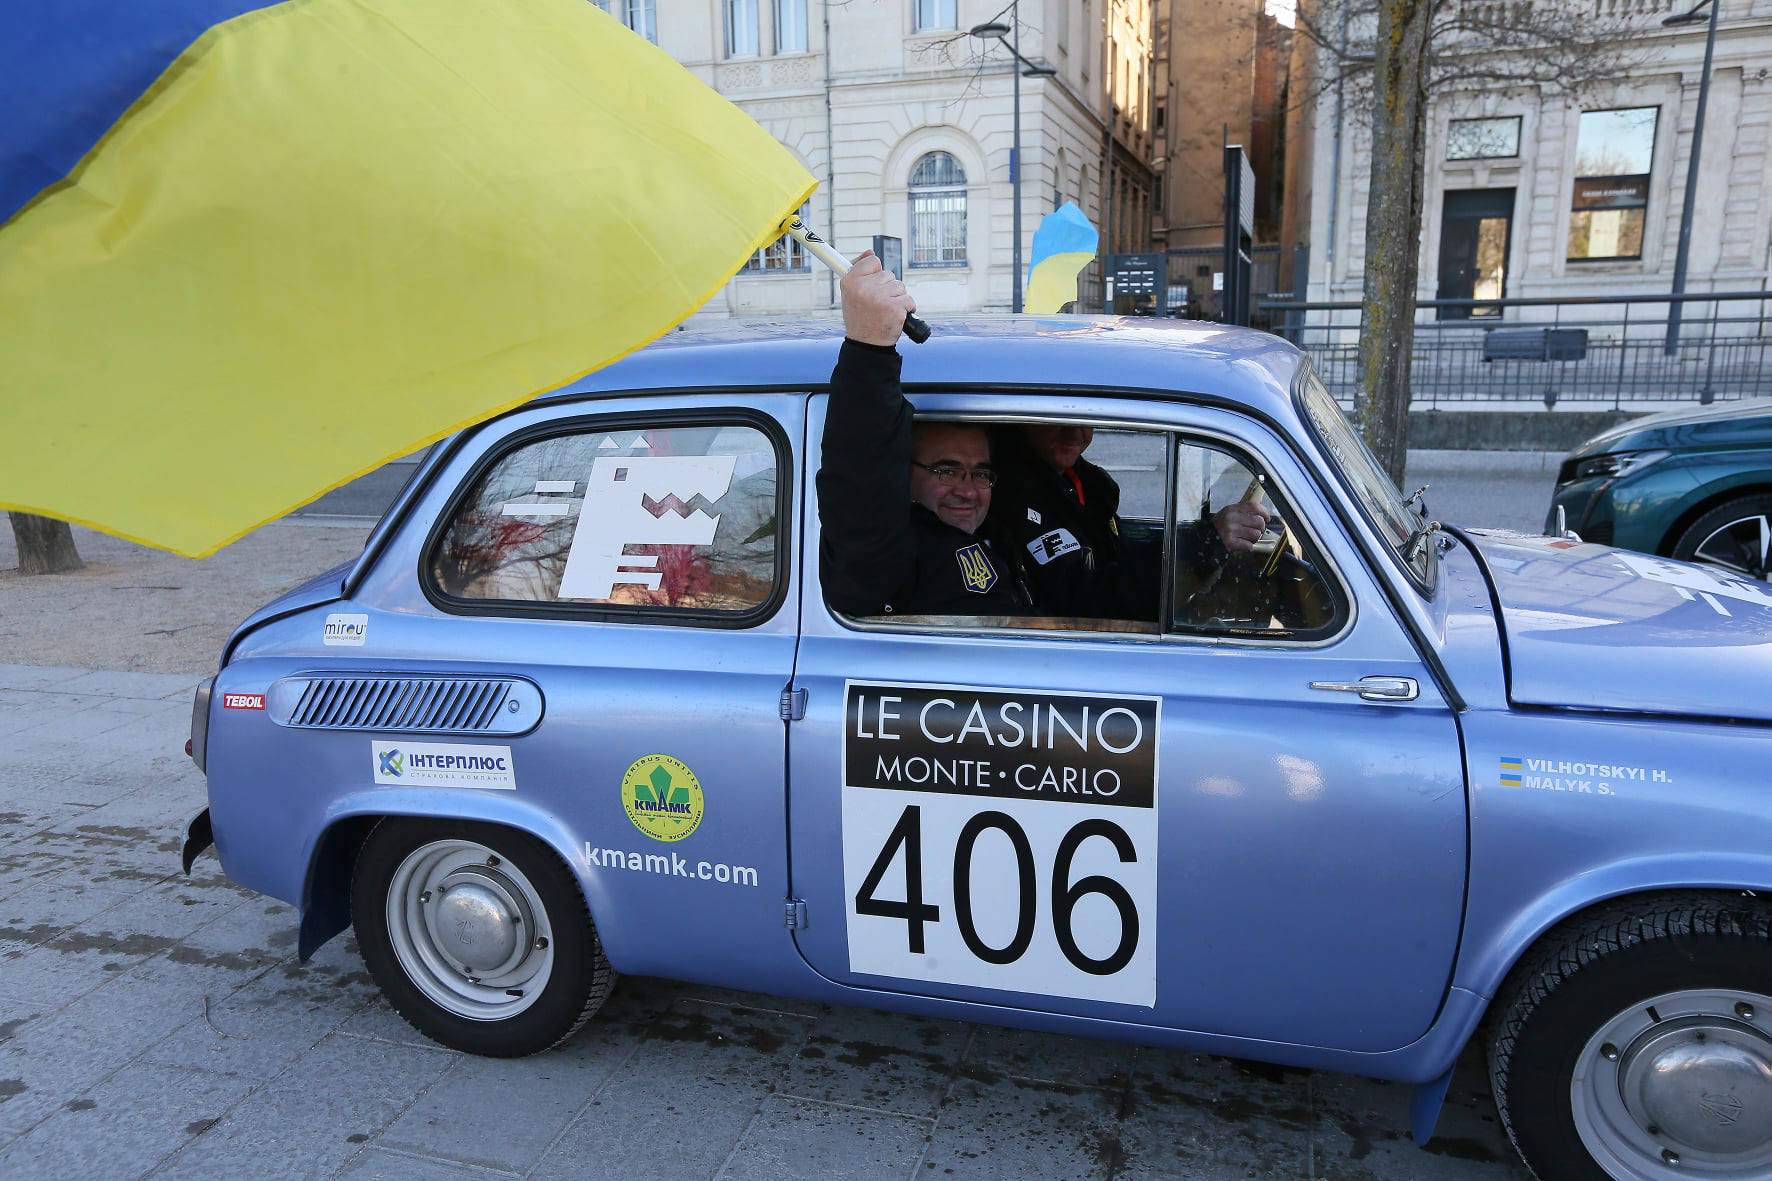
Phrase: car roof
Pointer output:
(1111, 354)
(1643, 431)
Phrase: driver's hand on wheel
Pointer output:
(1240, 525)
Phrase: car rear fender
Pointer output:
(327, 587)
(332, 857)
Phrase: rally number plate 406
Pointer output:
(1002, 838)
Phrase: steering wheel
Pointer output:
(1274, 584)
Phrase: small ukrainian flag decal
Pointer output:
(1510, 771)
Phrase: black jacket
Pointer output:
(881, 553)
(1074, 557)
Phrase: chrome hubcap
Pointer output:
(1680, 1084)
(1739, 547)
(470, 930)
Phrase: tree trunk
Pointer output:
(1393, 230)
(45, 545)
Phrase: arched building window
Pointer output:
(938, 212)
(637, 15)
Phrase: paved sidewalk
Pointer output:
(153, 1025)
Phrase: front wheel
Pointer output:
(1736, 537)
(1636, 1043)
(477, 935)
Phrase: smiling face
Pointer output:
(1058, 447)
(945, 444)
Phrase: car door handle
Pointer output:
(1375, 688)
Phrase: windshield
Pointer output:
(1361, 474)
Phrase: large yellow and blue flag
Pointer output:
(250, 251)
(1063, 245)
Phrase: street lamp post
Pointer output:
(1683, 254)
(996, 31)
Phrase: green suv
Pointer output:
(1691, 484)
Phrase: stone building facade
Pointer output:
(1537, 194)
(907, 122)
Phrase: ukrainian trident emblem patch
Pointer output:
(976, 569)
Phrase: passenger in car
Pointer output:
(1061, 513)
(905, 511)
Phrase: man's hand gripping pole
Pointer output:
(914, 328)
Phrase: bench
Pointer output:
(1535, 344)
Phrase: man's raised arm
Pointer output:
(864, 494)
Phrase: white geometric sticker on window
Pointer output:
(641, 500)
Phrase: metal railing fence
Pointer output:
(1599, 350)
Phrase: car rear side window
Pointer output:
(630, 518)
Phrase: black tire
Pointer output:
(478, 935)
(1728, 537)
(1703, 957)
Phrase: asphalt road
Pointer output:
(366, 496)
(1510, 489)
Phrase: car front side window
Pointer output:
(1085, 572)
(1272, 585)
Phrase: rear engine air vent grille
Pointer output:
(415, 705)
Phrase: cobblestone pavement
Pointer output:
(154, 1025)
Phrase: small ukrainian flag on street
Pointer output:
(1510, 771)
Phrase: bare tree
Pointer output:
(1391, 56)
(45, 545)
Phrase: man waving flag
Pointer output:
(249, 252)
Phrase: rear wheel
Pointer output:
(477, 935)
(1735, 536)
(1636, 1043)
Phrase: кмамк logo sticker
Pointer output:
(662, 797)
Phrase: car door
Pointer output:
(1168, 826)
(630, 561)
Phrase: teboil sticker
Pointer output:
(243, 700)
(662, 796)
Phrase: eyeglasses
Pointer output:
(947, 473)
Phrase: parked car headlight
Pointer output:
(1618, 464)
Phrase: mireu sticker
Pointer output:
(1002, 838)
(442, 764)
(346, 629)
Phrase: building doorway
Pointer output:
(1474, 231)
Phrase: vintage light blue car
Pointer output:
(1346, 802)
